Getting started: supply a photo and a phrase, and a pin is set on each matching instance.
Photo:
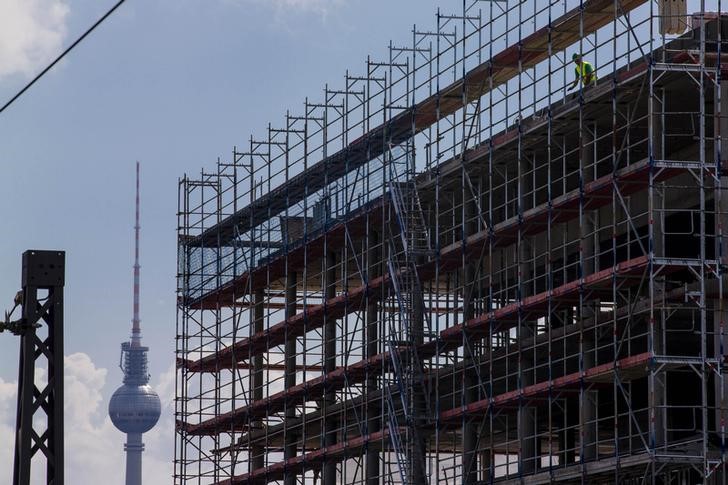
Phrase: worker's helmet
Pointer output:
(575, 56)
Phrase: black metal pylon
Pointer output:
(39, 424)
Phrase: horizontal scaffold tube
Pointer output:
(590, 287)
(628, 180)
(624, 369)
(560, 34)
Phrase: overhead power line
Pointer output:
(62, 55)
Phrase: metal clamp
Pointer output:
(16, 327)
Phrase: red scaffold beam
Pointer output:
(312, 460)
(529, 309)
(600, 373)
(596, 194)
(354, 447)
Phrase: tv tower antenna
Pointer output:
(136, 331)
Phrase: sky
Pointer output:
(173, 84)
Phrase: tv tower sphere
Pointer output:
(134, 409)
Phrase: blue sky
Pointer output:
(174, 84)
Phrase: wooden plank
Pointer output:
(632, 367)
(312, 460)
(530, 308)
(495, 72)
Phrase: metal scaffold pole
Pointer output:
(494, 256)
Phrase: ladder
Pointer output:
(410, 219)
(394, 434)
(409, 242)
(405, 285)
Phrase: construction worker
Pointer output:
(584, 72)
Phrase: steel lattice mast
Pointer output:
(136, 332)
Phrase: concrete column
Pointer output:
(589, 246)
(588, 409)
(372, 349)
(257, 452)
(589, 240)
(720, 319)
(417, 448)
(134, 448)
(658, 153)
(527, 419)
(657, 392)
(486, 465)
(330, 424)
(527, 428)
(289, 379)
(571, 419)
(719, 304)
(470, 382)
(657, 385)
(525, 202)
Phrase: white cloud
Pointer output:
(7, 423)
(306, 4)
(31, 34)
(322, 7)
(94, 448)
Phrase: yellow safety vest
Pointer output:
(581, 71)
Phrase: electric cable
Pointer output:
(63, 54)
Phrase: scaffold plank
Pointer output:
(354, 446)
(539, 304)
(312, 460)
(236, 420)
(596, 194)
(574, 380)
(450, 338)
(629, 180)
(292, 256)
(561, 33)
(311, 319)
(564, 208)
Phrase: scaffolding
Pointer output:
(456, 270)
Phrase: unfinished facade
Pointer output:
(453, 270)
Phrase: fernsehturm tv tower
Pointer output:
(134, 408)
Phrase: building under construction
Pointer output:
(453, 270)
